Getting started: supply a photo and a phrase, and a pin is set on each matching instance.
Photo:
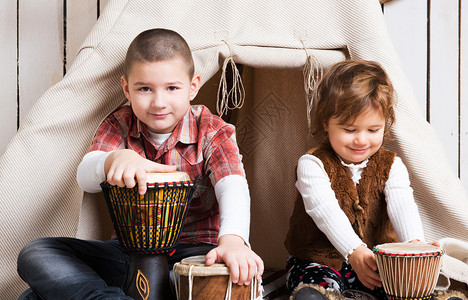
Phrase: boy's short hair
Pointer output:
(158, 44)
(347, 89)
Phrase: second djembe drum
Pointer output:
(408, 270)
(148, 227)
(196, 281)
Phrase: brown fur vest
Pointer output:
(364, 205)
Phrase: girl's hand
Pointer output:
(242, 261)
(363, 262)
(437, 244)
(125, 167)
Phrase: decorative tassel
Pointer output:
(237, 91)
(359, 210)
(312, 72)
(357, 207)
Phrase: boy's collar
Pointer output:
(136, 128)
(186, 131)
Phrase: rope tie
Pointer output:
(228, 289)
(176, 283)
(190, 282)
(312, 72)
(237, 91)
(358, 228)
(253, 289)
(358, 209)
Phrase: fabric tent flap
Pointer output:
(39, 193)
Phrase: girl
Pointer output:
(354, 194)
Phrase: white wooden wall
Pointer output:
(431, 39)
(39, 40)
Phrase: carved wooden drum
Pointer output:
(194, 280)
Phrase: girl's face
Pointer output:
(358, 140)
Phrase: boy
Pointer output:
(159, 132)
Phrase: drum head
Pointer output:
(172, 179)
(167, 177)
(197, 267)
(408, 249)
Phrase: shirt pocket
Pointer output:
(203, 199)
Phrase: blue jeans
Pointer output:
(69, 268)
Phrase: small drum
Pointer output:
(148, 226)
(197, 281)
(408, 270)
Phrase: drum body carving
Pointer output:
(408, 270)
(148, 227)
(196, 281)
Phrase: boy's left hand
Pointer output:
(242, 261)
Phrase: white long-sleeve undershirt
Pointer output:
(322, 206)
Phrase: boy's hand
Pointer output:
(363, 262)
(125, 167)
(242, 261)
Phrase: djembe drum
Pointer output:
(148, 227)
(197, 281)
(408, 270)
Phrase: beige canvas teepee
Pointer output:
(272, 42)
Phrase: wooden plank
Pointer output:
(443, 79)
(407, 26)
(41, 47)
(8, 40)
(464, 94)
(81, 17)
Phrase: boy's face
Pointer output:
(356, 141)
(160, 92)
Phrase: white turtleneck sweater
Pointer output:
(322, 206)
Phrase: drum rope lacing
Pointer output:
(397, 286)
(253, 291)
(176, 282)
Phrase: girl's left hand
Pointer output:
(435, 243)
(363, 262)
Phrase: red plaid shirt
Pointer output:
(202, 145)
